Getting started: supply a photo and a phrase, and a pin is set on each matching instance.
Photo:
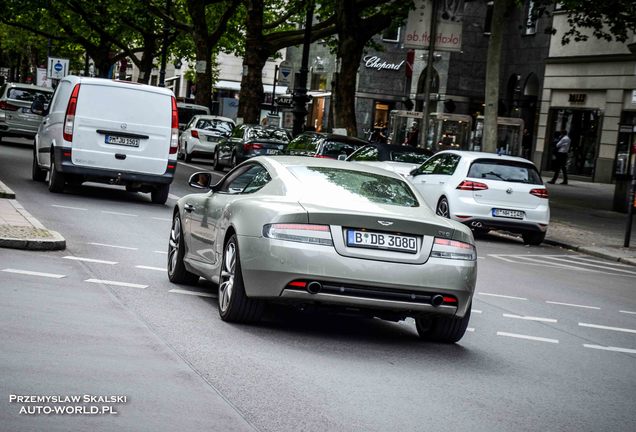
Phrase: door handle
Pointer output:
(189, 207)
(442, 182)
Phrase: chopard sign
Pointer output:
(375, 62)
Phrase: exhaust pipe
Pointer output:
(315, 287)
(476, 224)
(437, 300)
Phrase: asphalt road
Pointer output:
(551, 343)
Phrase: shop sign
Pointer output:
(448, 34)
(577, 97)
(375, 62)
(284, 101)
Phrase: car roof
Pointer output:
(473, 155)
(106, 82)
(29, 86)
(291, 161)
(190, 105)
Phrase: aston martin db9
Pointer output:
(327, 233)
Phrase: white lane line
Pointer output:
(605, 267)
(534, 338)
(67, 207)
(150, 268)
(174, 197)
(115, 283)
(530, 318)
(502, 258)
(628, 312)
(573, 305)
(618, 329)
(611, 348)
(544, 262)
(501, 296)
(477, 311)
(32, 273)
(192, 166)
(195, 293)
(119, 213)
(607, 263)
(113, 246)
(162, 219)
(481, 257)
(74, 258)
(470, 329)
(161, 252)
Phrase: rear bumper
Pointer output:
(472, 213)
(64, 165)
(504, 224)
(14, 131)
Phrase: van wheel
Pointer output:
(159, 194)
(216, 165)
(56, 179)
(37, 173)
(443, 329)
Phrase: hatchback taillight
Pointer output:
(540, 192)
(174, 135)
(4, 105)
(251, 146)
(472, 185)
(194, 133)
(69, 118)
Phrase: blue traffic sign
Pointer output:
(58, 67)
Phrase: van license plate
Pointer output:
(513, 214)
(125, 141)
(377, 240)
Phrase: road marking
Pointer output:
(575, 261)
(113, 246)
(534, 338)
(174, 197)
(162, 219)
(161, 252)
(74, 258)
(530, 318)
(573, 305)
(611, 348)
(32, 273)
(618, 329)
(119, 213)
(502, 296)
(195, 293)
(477, 311)
(628, 312)
(67, 207)
(470, 329)
(150, 268)
(481, 257)
(192, 166)
(596, 265)
(583, 258)
(115, 283)
(554, 264)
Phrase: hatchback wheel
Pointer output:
(56, 179)
(442, 328)
(533, 238)
(37, 173)
(177, 272)
(442, 208)
(234, 305)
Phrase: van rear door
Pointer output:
(124, 127)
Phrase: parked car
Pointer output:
(486, 191)
(401, 159)
(323, 145)
(187, 111)
(315, 231)
(202, 134)
(16, 117)
(107, 131)
(247, 141)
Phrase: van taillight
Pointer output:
(69, 118)
(174, 134)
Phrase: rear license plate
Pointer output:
(271, 151)
(512, 214)
(125, 141)
(377, 240)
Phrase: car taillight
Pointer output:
(4, 105)
(472, 185)
(194, 133)
(174, 135)
(69, 118)
(323, 156)
(540, 192)
(303, 233)
(453, 249)
(252, 146)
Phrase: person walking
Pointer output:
(561, 153)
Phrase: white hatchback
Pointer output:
(202, 134)
(486, 191)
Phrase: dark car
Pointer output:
(323, 145)
(401, 159)
(248, 141)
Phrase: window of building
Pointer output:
(392, 33)
(488, 22)
(381, 113)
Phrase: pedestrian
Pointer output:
(561, 153)
(412, 135)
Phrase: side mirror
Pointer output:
(200, 180)
(413, 172)
(37, 107)
(342, 157)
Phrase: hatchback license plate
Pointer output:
(271, 151)
(512, 214)
(377, 240)
(125, 141)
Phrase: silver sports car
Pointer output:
(327, 233)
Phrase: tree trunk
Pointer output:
(493, 62)
(256, 54)
(203, 52)
(345, 105)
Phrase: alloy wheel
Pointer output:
(173, 245)
(442, 208)
(227, 276)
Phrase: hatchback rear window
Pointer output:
(27, 95)
(268, 133)
(215, 125)
(503, 170)
(350, 186)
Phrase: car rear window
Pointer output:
(334, 149)
(268, 133)
(409, 156)
(504, 170)
(350, 186)
(215, 125)
(27, 95)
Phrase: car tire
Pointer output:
(533, 238)
(177, 273)
(234, 305)
(233, 162)
(443, 329)
(442, 208)
(37, 173)
(216, 165)
(56, 179)
(159, 194)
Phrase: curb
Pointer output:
(6, 192)
(54, 240)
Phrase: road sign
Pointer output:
(57, 68)
(284, 73)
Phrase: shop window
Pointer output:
(392, 33)
(318, 81)
(381, 114)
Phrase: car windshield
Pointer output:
(215, 125)
(409, 156)
(348, 185)
(28, 95)
(268, 133)
(502, 170)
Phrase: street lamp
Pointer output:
(300, 90)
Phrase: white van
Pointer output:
(115, 132)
